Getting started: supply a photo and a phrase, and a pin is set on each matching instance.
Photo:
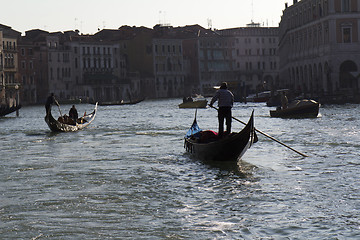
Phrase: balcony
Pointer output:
(15, 86)
(9, 67)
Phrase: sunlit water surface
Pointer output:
(127, 176)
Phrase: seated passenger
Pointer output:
(73, 114)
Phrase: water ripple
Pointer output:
(128, 177)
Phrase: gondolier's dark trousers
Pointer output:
(48, 109)
(224, 113)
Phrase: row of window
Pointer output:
(29, 51)
(306, 12)
(270, 40)
(309, 11)
(9, 60)
(85, 50)
(65, 57)
(8, 77)
(306, 39)
(96, 63)
(65, 73)
(168, 67)
(9, 45)
(248, 52)
(257, 40)
(260, 66)
(23, 65)
(95, 50)
(29, 81)
(175, 84)
(168, 49)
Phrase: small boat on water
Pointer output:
(298, 109)
(121, 102)
(62, 125)
(259, 97)
(207, 146)
(197, 102)
(5, 109)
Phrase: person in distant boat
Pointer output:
(225, 100)
(49, 102)
(73, 113)
(284, 100)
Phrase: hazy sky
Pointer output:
(90, 15)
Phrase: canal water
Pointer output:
(128, 176)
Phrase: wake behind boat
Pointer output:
(62, 125)
(206, 145)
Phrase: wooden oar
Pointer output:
(60, 112)
(266, 135)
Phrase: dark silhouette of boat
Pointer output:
(65, 125)
(121, 102)
(298, 109)
(230, 147)
(5, 109)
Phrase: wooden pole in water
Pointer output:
(17, 99)
(268, 136)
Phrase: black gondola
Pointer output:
(60, 126)
(5, 110)
(121, 102)
(228, 148)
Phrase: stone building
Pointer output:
(255, 58)
(45, 66)
(135, 46)
(168, 62)
(99, 70)
(74, 67)
(60, 76)
(9, 82)
(215, 61)
(319, 49)
(190, 43)
(154, 56)
(27, 71)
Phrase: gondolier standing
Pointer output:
(225, 100)
(50, 101)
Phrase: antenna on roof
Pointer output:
(76, 23)
(164, 23)
(252, 10)
(209, 22)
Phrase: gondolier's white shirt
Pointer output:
(225, 98)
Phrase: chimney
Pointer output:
(295, 1)
(286, 5)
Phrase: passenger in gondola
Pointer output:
(225, 100)
(73, 113)
(49, 102)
